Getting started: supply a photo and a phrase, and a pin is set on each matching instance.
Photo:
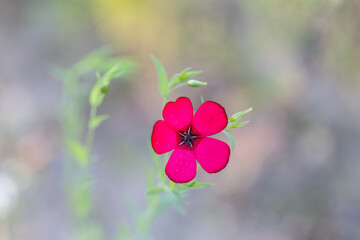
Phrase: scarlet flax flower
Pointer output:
(188, 136)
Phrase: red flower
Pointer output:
(188, 136)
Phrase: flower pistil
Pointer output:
(188, 138)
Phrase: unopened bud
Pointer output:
(104, 88)
(195, 83)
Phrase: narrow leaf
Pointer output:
(78, 151)
(179, 197)
(200, 185)
(180, 187)
(239, 115)
(189, 184)
(98, 120)
(185, 75)
(163, 80)
(174, 80)
(155, 191)
(236, 124)
(231, 139)
(96, 96)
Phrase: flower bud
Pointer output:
(195, 83)
(104, 88)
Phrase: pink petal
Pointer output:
(163, 138)
(209, 119)
(181, 167)
(178, 114)
(212, 154)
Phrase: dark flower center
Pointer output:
(187, 138)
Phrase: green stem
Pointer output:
(91, 130)
(177, 86)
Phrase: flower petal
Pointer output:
(178, 114)
(181, 167)
(212, 154)
(210, 119)
(163, 138)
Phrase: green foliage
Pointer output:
(78, 152)
(156, 190)
(100, 88)
(164, 192)
(192, 185)
(231, 139)
(235, 118)
(177, 80)
(179, 196)
(95, 122)
(236, 124)
(100, 60)
(185, 75)
(163, 80)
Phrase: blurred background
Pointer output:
(295, 171)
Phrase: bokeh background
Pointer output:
(295, 171)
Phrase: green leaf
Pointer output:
(101, 86)
(199, 185)
(192, 185)
(181, 187)
(112, 73)
(174, 80)
(189, 184)
(78, 151)
(231, 138)
(236, 124)
(154, 191)
(179, 197)
(96, 96)
(93, 60)
(98, 120)
(202, 99)
(237, 116)
(185, 75)
(163, 80)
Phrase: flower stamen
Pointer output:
(187, 138)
